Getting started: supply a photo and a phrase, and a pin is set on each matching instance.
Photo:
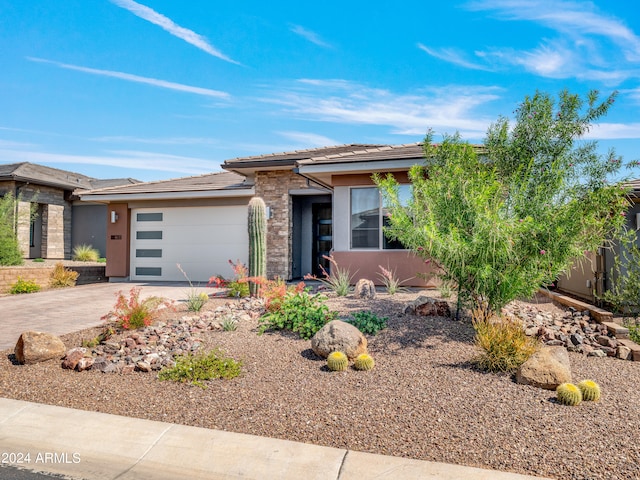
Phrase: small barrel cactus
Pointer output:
(337, 361)
(364, 361)
(590, 390)
(569, 394)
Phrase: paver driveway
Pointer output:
(67, 310)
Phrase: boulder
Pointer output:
(85, 363)
(428, 307)
(339, 336)
(365, 289)
(547, 368)
(72, 357)
(34, 347)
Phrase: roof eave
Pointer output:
(125, 197)
(359, 167)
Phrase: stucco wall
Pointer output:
(89, 227)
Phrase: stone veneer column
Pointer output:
(24, 228)
(53, 231)
(274, 188)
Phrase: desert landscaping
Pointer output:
(424, 399)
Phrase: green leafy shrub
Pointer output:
(337, 362)
(132, 313)
(10, 253)
(299, 312)
(102, 260)
(85, 253)
(274, 291)
(634, 332)
(24, 286)
(569, 394)
(201, 367)
(502, 220)
(364, 361)
(368, 322)
(624, 294)
(590, 390)
(502, 341)
(338, 280)
(38, 260)
(62, 277)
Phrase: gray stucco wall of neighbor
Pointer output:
(89, 227)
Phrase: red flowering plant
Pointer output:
(274, 291)
(132, 313)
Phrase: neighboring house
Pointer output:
(319, 201)
(591, 277)
(60, 221)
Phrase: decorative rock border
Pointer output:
(154, 347)
(582, 328)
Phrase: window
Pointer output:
(149, 271)
(149, 217)
(148, 253)
(368, 216)
(149, 235)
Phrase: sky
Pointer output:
(157, 89)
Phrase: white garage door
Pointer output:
(201, 239)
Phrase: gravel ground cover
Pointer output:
(424, 399)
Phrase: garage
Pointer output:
(201, 240)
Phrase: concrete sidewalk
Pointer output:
(98, 446)
(67, 310)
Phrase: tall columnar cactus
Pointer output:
(257, 242)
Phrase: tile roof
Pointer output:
(42, 175)
(290, 158)
(367, 153)
(206, 182)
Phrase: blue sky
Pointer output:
(161, 89)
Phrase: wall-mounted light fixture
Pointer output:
(637, 221)
(268, 213)
(114, 216)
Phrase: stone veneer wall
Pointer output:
(274, 187)
(56, 218)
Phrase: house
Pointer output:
(591, 277)
(319, 201)
(61, 221)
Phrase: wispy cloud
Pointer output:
(611, 131)
(170, 26)
(313, 37)
(590, 45)
(121, 159)
(158, 140)
(308, 139)
(452, 55)
(135, 78)
(12, 144)
(445, 109)
(573, 18)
